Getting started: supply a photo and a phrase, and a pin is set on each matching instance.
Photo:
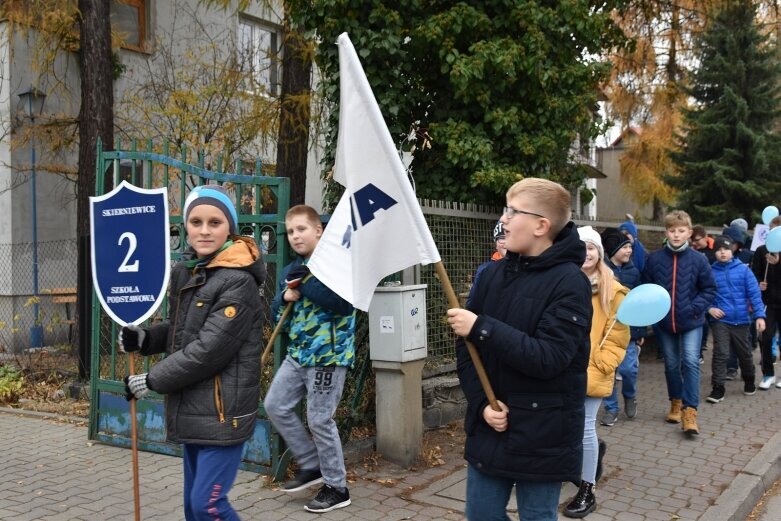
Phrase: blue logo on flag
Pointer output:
(130, 251)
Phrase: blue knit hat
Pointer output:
(213, 195)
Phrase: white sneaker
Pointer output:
(767, 382)
(778, 384)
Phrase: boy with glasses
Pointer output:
(529, 319)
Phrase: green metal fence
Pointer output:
(261, 202)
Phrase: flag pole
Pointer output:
(274, 334)
(134, 443)
(453, 302)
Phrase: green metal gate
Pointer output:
(261, 202)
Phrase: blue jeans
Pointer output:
(487, 497)
(628, 371)
(590, 441)
(209, 473)
(682, 364)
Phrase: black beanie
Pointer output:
(613, 240)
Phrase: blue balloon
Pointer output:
(773, 240)
(768, 214)
(645, 305)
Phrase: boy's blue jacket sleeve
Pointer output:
(312, 289)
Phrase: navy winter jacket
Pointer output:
(687, 276)
(772, 272)
(629, 277)
(532, 335)
(736, 288)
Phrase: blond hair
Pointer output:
(677, 218)
(605, 285)
(307, 211)
(552, 199)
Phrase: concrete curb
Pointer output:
(737, 500)
(44, 415)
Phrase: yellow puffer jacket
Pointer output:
(604, 359)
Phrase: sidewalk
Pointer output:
(652, 472)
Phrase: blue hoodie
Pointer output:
(638, 250)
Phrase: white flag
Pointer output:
(377, 228)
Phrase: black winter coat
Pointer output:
(213, 341)
(532, 334)
(772, 295)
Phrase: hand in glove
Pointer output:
(135, 387)
(296, 275)
(131, 339)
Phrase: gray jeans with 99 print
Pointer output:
(322, 387)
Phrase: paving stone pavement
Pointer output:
(50, 471)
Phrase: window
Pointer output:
(258, 51)
(128, 18)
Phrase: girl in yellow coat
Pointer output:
(609, 339)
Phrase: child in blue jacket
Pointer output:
(736, 288)
(686, 275)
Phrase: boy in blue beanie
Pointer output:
(212, 338)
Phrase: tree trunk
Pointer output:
(295, 96)
(96, 120)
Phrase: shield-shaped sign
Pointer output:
(130, 251)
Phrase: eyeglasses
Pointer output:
(509, 212)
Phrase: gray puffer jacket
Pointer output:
(213, 340)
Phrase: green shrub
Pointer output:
(11, 382)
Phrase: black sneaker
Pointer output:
(731, 374)
(716, 395)
(304, 478)
(328, 499)
(609, 418)
(749, 389)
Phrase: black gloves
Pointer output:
(131, 339)
(135, 387)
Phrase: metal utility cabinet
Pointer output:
(398, 348)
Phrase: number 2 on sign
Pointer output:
(125, 267)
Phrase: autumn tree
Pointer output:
(647, 91)
(198, 91)
(729, 154)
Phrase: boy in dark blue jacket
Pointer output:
(686, 275)
(736, 288)
(529, 319)
(618, 256)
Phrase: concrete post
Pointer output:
(399, 410)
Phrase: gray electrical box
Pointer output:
(397, 324)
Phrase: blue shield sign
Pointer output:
(130, 251)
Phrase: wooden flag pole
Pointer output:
(609, 329)
(134, 443)
(270, 344)
(453, 302)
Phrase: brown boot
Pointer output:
(689, 415)
(674, 416)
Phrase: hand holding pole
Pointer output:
(473, 354)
